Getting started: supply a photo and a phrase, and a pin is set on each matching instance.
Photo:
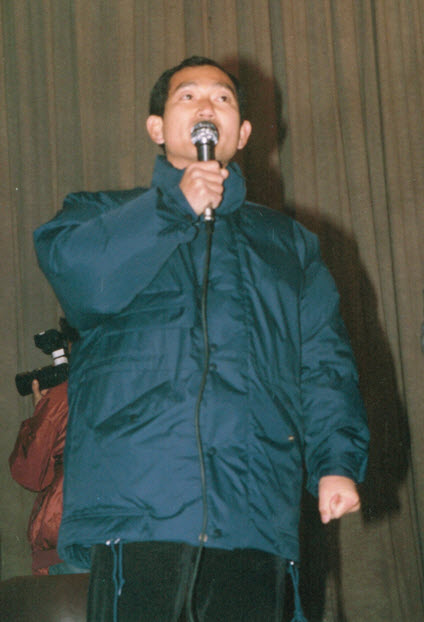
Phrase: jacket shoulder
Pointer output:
(278, 226)
(84, 205)
(102, 200)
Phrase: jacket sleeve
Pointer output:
(98, 255)
(335, 423)
(40, 438)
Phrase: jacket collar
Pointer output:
(166, 176)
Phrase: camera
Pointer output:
(50, 342)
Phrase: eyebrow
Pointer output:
(224, 85)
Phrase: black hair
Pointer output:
(160, 91)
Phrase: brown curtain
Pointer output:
(336, 93)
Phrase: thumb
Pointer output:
(337, 506)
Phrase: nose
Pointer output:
(205, 109)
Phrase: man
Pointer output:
(36, 463)
(200, 384)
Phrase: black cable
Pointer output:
(203, 536)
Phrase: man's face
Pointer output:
(203, 93)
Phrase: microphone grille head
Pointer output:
(204, 132)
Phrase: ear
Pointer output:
(154, 125)
(245, 131)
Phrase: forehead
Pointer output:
(201, 75)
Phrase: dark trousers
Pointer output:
(153, 579)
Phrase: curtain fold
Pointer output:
(336, 99)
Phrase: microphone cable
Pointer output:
(209, 225)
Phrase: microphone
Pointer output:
(204, 136)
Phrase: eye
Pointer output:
(186, 96)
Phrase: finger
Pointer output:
(36, 395)
(209, 165)
(325, 517)
(206, 193)
(341, 505)
(205, 170)
(324, 510)
(337, 506)
(35, 386)
(198, 179)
